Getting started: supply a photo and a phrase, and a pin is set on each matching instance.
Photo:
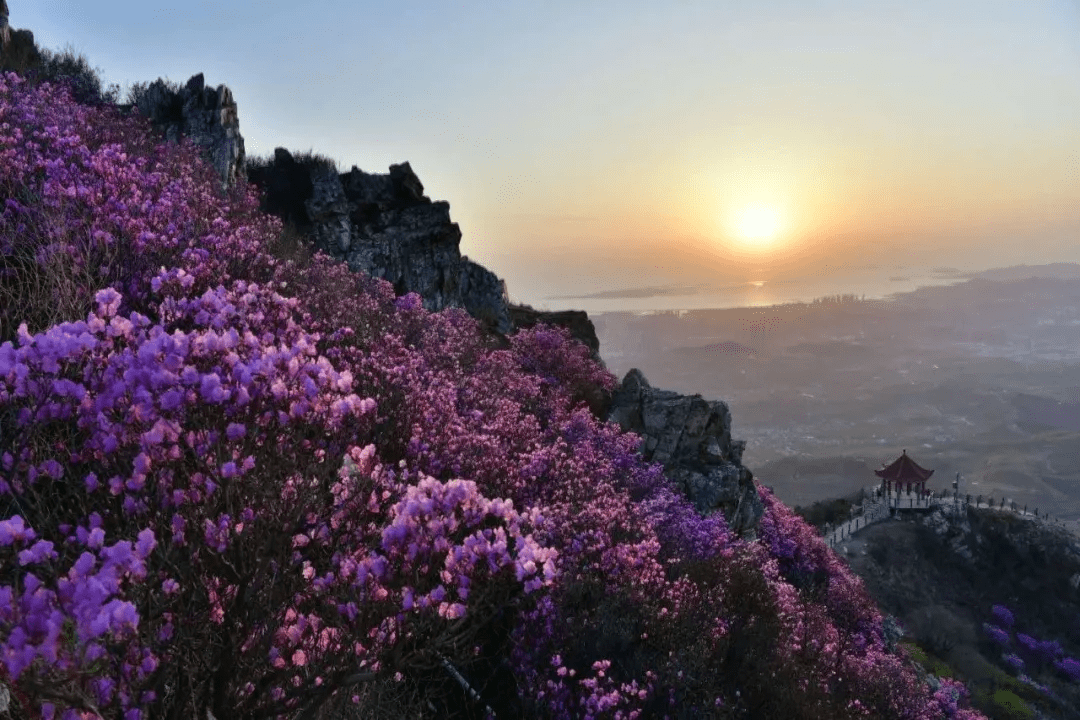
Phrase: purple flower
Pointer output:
(14, 529)
(1070, 667)
(996, 634)
(1003, 616)
(146, 544)
(1014, 661)
(96, 538)
(41, 550)
(409, 302)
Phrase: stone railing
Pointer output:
(988, 503)
(876, 509)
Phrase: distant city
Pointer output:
(979, 376)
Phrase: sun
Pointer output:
(757, 224)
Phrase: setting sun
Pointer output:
(757, 224)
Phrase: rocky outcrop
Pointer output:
(20, 53)
(953, 530)
(400, 235)
(383, 224)
(483, 293)
(691, 437)
(976, 530)
(206, 116)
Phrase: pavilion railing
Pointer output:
(876, 508)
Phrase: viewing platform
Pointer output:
(877, 508)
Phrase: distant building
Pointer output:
(904, 472)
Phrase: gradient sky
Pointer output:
(609, 155)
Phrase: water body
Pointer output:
(755, 291)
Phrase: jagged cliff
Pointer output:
(206, 116)
(384, 225)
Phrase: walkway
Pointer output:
(876, 510)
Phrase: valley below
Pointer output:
(980, 378)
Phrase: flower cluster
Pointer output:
(1029, 654)
(997, 635)
(1003, 616)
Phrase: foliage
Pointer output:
(258, 486)
(72, 69)
(137, 90)
(1012, 705)
(826, 512)
(1003, 616)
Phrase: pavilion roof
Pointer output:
(904, 469)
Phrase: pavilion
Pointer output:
(904, 471)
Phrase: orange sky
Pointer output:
(607, 147)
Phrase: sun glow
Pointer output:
(757, 225)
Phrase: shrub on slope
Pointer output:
(180, 537)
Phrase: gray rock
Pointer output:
(328, 211)
(954, 530)
(415, 248)
(691, 437)
(384, 225)
(5, 32)
(206, 116)
(893, 632)
(20, 52)
(484, 295)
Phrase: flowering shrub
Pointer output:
(176, 404)
(997, 635)
(1069, 667)
(1003, 616)
(1031, 653)
(1014, 661)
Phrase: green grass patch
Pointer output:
(932, 663)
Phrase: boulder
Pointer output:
(206, 116)
(893, 632)
(691, 437)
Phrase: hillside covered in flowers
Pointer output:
(180, 537)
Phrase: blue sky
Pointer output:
(589, 150)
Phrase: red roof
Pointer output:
(904, 469)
